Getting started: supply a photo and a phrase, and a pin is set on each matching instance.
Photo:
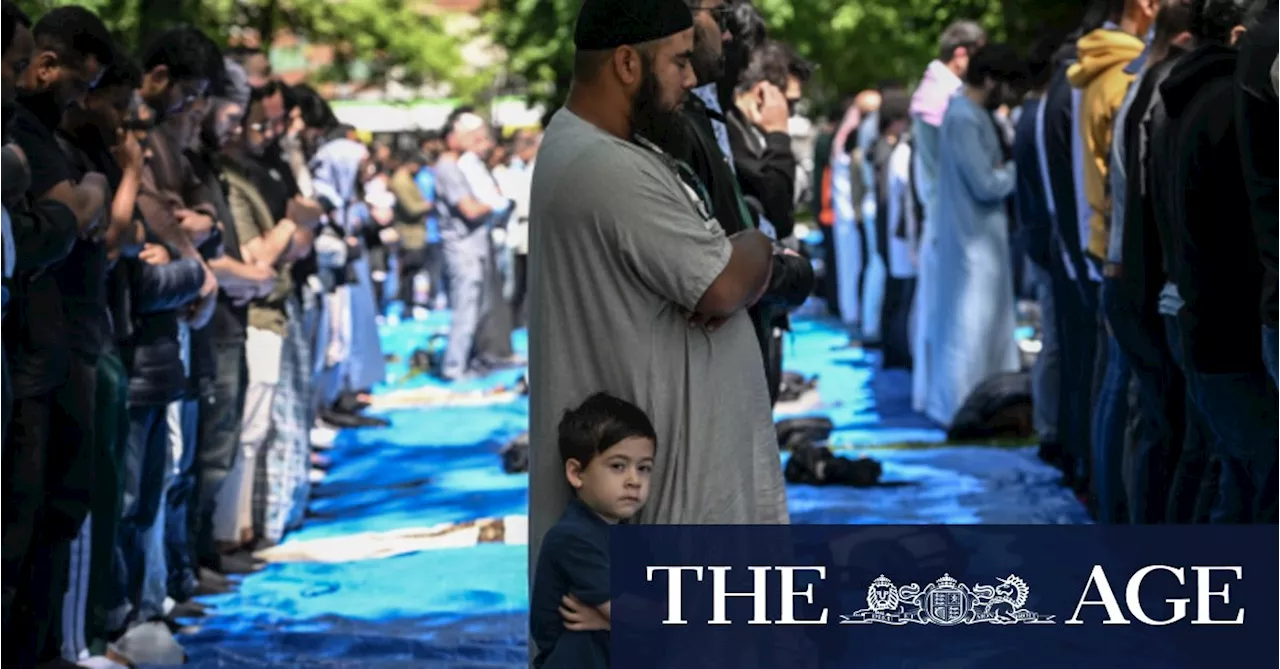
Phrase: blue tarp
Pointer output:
(467, 607)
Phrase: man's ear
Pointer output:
(43, 66)
(627, 65)
(1236, 33)
(155, 80)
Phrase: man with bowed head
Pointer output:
(635, 289)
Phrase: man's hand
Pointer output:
(199, 226)
(304, 212)
(579, 617)
(16, 150)
(154, 254)
(772, 112)
(708, 323)
(128, 153)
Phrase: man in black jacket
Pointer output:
(1211, 254)
(1131, 287)
(1076, 318)
(704, 150)
(51, 434)
(1257, 107)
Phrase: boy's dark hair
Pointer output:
(1041, 61)
(999, 62)
(189, 54)
(74, 33)
(598, 424)
(13, 17)
(264, 91)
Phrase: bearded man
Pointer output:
(706, 146)
(636, 290)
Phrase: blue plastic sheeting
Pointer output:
(468, 607)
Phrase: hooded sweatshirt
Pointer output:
(1209, 238)
(1257, 106)
(1100, 76)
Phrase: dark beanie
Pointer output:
(609, 24)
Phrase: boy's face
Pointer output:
(616, 483)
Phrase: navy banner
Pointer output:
(1045, 597)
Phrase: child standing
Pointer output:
(607, 446)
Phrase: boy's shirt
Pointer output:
(574, 559)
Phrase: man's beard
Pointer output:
(708, 65)
(650, 120)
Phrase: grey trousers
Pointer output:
(466, 256)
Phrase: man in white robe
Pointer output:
(972, 310)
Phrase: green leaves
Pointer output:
(379, 37)
(856, 43)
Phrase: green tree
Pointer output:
(856, 43)
(388, 36)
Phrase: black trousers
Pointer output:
(830, 284)
(895, 323)
(412, 261)
(1078, 341)
(49, 462)
(519, 310)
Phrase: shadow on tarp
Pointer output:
(468, 607)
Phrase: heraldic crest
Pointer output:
(947, 602)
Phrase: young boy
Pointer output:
(607, 446)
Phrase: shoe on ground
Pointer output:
(323, 437)
(101, 662)
(239, 563)
(188, 609)
(148, 643)
(316, 476)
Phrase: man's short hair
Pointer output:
(123, 71)
(188, 54)
(961, 34)
(797, 66)
(1173, 19)
(316, 112)
(601, 422)
(746, 24)
(895, 105)
(1213, 20)
(998, 62)
(74, 33)
(771, 62)
(13, 17)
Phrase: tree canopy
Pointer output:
(386, 36)
(856, 43)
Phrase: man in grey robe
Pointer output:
(635, 290)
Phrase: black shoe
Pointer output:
(239, 563)
(339, 419)
(189, 609)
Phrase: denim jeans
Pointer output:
(1159, 410)
(1240, 412)
(179, 552)
(141, 530)
(1110, 416)
(1046, 374)
(1194, 482)
(1270, 344)
(219, 426)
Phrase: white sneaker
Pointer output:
(421, 313)
(322, 437)
(100, 662)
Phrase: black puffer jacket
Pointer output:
(146, 318)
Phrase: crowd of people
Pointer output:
(196, 258)
(1124, 178)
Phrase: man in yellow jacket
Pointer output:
(1102, 82)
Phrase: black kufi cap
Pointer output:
(609, 24)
